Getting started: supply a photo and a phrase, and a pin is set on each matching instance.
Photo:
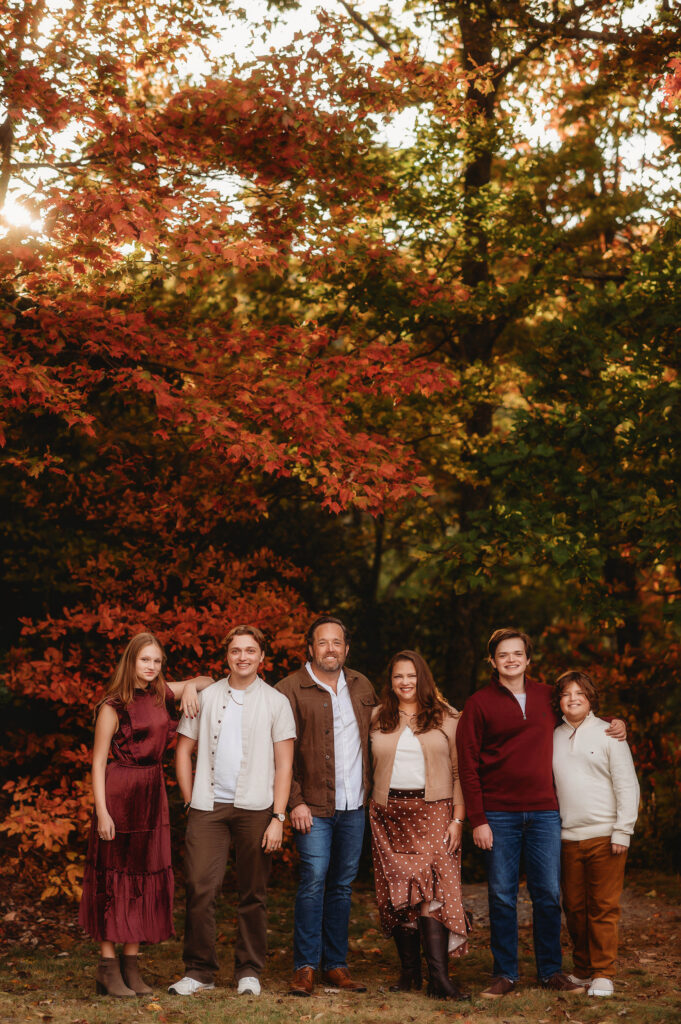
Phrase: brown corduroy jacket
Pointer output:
(314, 763)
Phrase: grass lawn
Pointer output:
(55, 983)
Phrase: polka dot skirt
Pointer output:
(411, 864)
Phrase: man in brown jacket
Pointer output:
(332, 710)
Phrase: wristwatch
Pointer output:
(279, 817)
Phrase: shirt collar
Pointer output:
(339, 685)
(248, 689)
(590, 714)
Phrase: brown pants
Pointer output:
(208, 838)
(591, 879)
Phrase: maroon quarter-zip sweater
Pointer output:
(505, 756)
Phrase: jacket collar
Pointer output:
(307, 680)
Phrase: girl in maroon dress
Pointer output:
(128, 882)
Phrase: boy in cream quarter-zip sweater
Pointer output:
(598, 796)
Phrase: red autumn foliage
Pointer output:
(237, 303)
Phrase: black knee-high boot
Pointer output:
(408, 945)
(435, 941)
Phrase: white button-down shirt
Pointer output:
(347, 745)
(267, 719)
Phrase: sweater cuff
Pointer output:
(621, 838)
(477, 819)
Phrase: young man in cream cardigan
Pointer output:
(243, 738)
(598, 795)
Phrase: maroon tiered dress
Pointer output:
(128, 883)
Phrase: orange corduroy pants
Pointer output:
(591, 879)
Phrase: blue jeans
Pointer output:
(536, 834)
(329, 859)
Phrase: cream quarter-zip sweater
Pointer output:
(598, 792)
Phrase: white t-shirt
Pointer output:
(409, 766)
(522, 700)
(229, 751)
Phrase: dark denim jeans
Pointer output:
(329, 858)
(536, 834)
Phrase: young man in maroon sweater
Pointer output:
(505, 749)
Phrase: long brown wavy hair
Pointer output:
(124, 680)
(432, 705)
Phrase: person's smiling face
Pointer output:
(574, 703)
(244, 658)
(404, 681)
(510, 659)
(328, 650)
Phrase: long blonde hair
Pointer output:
(124, 680)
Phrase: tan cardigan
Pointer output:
(439, 752)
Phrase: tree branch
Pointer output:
(363, 23)
(6, 136)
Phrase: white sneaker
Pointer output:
(601, 987)
(579, 981)
(188, 986)
(248, 987)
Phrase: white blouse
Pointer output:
(409, 767)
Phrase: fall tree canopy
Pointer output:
(382, 320)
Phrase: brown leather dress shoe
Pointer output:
(302, 982)
(340, 977)
(560, 982)
(499, 987)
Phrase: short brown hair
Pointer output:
(326, 620)
(253, 631)
(583, 680)
(508, 633)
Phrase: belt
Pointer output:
(407, 794)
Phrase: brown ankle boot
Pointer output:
(109, 981)
(132, 977)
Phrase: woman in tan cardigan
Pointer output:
(416, 815)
